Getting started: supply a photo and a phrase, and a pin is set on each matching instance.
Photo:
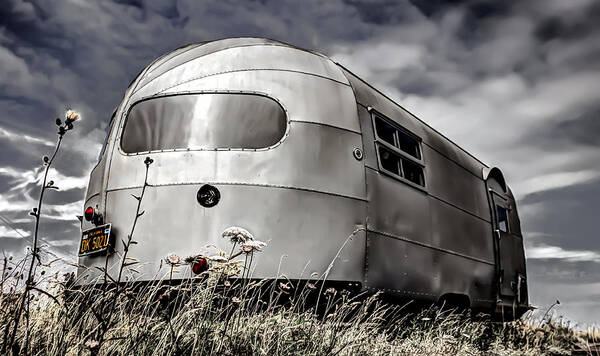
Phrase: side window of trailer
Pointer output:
(203, 121)
(398, 151)
(502, 218)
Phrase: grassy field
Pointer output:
(212, 315)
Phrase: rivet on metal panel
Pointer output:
(358, 153)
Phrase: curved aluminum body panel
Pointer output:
(279, 193)
(438, 240)
(306, 194)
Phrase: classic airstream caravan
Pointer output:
(299, 151)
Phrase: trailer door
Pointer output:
(509, 247)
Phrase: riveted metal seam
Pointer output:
(243, 184)
(227, 48)
(405, 239)
(250, 70)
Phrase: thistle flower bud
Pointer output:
(72, 115)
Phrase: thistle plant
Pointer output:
(105, 317)
(30, 285)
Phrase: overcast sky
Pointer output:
(515, 83)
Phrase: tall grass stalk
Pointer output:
(30, 284)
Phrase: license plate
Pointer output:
(95, 241)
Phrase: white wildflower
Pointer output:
(173, 260)
(237, 234)
(251, 246)
(218, 258)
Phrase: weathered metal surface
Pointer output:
(418, 272)
(397, 208)
(314, 157)
(456, 186)
(323, 101)
(301, 239)
(453, 229)
(241, 59)
(192, 51)
(305, 194)
(452, 216)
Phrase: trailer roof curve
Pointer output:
(328, 69)
(192, 51)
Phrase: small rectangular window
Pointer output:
(399, 151)
(409, 145)
(502, 218)
(397, 137)
(389, 161)
(413, 172)
(385, 131)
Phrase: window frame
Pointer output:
(506, 215)
(379, 142)
(125, 115)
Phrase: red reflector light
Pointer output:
(200, 266)
(89, 213)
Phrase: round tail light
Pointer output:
(89, 213)
(200, 266)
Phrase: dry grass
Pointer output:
(211, 315)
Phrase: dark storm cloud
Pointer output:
(581, 130)
(556, 26)
(516, 83)
(549, 271)
(563, 207)
(385, 12)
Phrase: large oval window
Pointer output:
(203, 121)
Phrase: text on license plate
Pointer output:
(95, 240)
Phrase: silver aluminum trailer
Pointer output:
(303, 153)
